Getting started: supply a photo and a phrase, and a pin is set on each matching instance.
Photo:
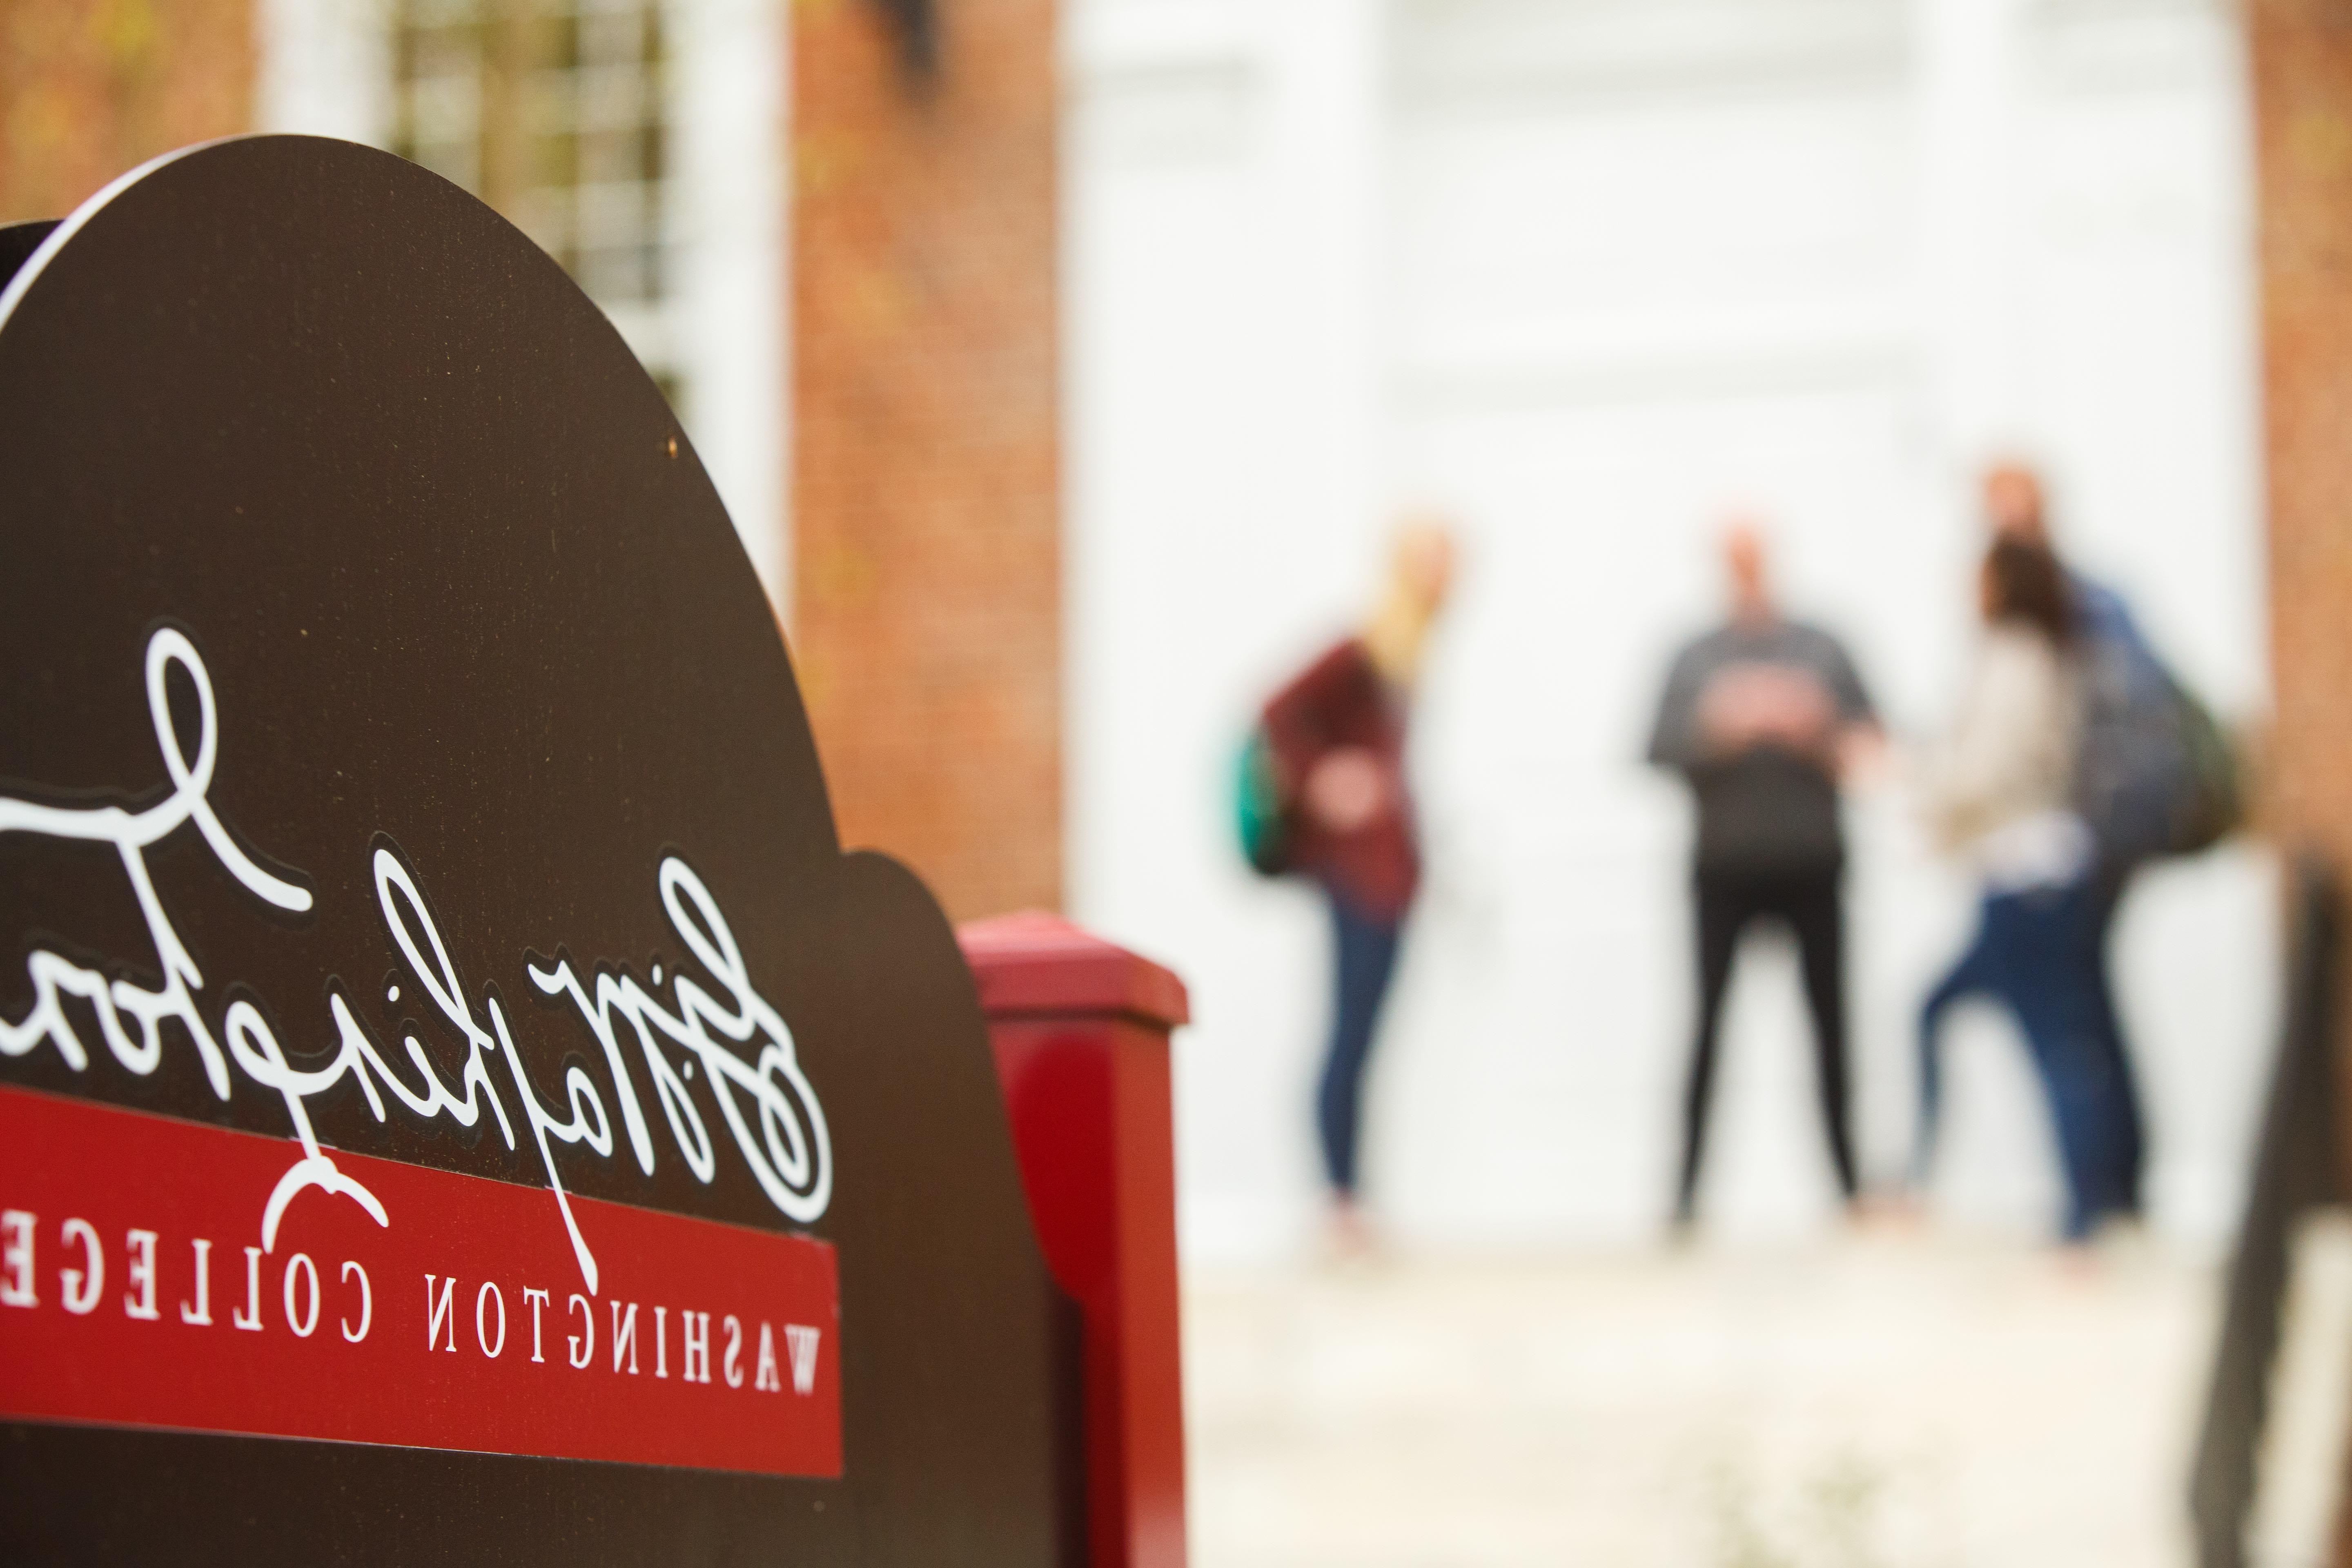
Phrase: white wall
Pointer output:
(1585, 271)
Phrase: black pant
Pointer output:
(1810, 901)
(2108, 887)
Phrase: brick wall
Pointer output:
(2301, 52)
(2301, 57)
(927, 603)
(90, 88)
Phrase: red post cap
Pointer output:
(1037, 963)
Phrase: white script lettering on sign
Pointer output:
(789, 1154)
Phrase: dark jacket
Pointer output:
(1764, 809)
(1342, 700)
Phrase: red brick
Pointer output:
(91, 88)
(926, 461)
(2301, 52)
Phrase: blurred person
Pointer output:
(1334, 739)
(2001, 792)
(1763, 716)
(2121, 782)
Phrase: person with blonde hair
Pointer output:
(1335, 738)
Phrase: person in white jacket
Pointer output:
(2000, 790)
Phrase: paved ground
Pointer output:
(1882, 1401)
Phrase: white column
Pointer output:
(1328, 141)
(729, 187)
(324, 69)
(1969, 225)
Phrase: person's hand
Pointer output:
(1345, 789)
(1864, 760)
(1724, 713)
(1797, 713)
(1757, 704)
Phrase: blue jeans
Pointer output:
(1365, 950)
(2038, 951)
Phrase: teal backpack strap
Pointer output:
(1260, 818)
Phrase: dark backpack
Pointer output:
(2214, 805)
(2155, 775)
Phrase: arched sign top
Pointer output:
(457, 1099)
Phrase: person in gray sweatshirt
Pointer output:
(1762, 716)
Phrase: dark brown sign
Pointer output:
(457, 1102)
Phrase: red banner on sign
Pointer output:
(135, 1290)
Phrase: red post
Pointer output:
(1080, 1028)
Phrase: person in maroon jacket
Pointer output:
(1337, 736)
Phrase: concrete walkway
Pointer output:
(1882, 1401)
